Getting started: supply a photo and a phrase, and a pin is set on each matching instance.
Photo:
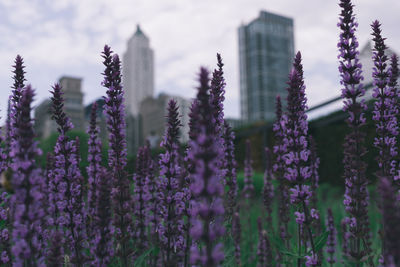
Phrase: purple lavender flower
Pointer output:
(248, 188)
(114, 110)
(152, 205)
(171, 196)
(314, 166)
(207, 190)
(68, 208)
(345, 238)
(279, 150)
(331, 242)
(94, 168)
(264, 253)
(5, 218)
(55, 254)
(19, 79)
(236, 233)
(8, 134)
(27, 182)
(356, 195)
(190, 163)
(312, 260)
(391, 216)
(268, 190)
(103, 249)
(230, 167)
(139, 200)
(384, 114)
(298, 171)
(217, 92)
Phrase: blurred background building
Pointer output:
(266, 50)
(154, 113)
(138, 82)
(73, 107)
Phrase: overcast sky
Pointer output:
(65, 37)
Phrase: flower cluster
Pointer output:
(173, 211)
(68, 206)
(279, 151)
(170, 197)
(94, 168)
(206, 188)
(114, 111)
(230, 167)
(27, 184)
(385, 107)
(356, 195)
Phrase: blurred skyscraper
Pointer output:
(138, 82)
(138, 71)
(266, 50)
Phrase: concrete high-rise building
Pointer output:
(138, 82)
(138, 71)
(266, 50)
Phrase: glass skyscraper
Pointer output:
(266, 51)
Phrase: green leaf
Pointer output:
(320, 241)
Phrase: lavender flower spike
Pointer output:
(356, 195)
(171, 196)
(298, 171)
(103, 249)
(217, 92)
(5, 216)
(279, 150)
(248, 188)
(384, 113)
(19, 84)
(68, 204)
(117, 154)
(236, 233)
(207, 190)
(27, 183)
(391, 215)
(139, 200)
(331, 242)
(230, 167)
(94, 168)
(264, 252)
(268, 190)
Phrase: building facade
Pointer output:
(153, 117)
(266, 51)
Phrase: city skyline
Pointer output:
(48, 41)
